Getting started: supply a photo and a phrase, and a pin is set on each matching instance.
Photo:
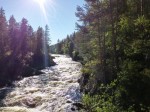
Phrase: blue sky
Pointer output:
(60, 15)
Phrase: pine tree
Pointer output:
(23, 37)
(13, 34)
(3, 33)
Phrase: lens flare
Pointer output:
(45, 6)
(42, 3)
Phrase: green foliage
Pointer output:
(100, 103)
(110, 99)
(89, 67)
(115, 45)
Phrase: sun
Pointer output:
(45, 6)
(40, 2)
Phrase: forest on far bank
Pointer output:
(21, 49)
(113, 44)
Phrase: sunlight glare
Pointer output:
(40, 1)
(44, 7)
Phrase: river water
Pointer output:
(53, 91)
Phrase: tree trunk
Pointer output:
(114, 62)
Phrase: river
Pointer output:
(56, 90)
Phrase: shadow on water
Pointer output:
(3, 93)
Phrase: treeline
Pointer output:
(21, 49)
(67, 46)
(113, 39)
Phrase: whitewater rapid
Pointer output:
(53, 91)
